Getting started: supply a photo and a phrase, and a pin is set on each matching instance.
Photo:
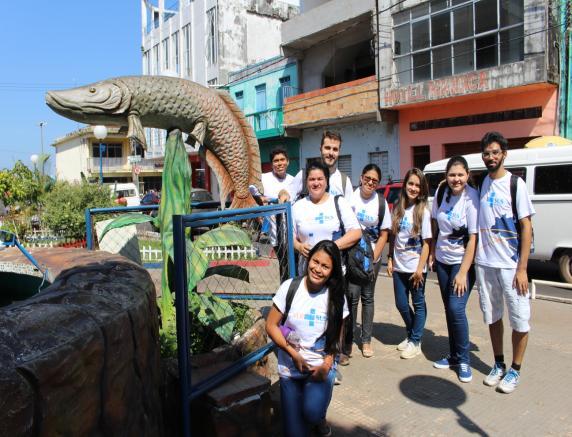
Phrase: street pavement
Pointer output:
(389, 396)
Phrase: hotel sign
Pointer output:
(460, 85)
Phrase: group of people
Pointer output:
(479, 233)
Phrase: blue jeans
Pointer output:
(415, 317)
(455, 310)
(304, 403)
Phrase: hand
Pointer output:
(320, 373)
(460, 284)
(417, 278)
(520, 282)
(300, 363)
(283, 196)
(430, 262)
(304, 249)
(389, 267)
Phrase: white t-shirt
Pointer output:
(408, 247)
(498, 240)
(297, 185)
(316, 222)
(272, 186)
(456, 219)
(367, 213)
(308, 316)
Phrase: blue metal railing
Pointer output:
(180, 223)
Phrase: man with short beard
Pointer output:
(505, 236)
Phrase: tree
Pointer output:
(19, 185)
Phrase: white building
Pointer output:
(203, 40)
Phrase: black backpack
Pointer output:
(290, 296)
(359, 258)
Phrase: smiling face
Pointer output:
(316, 183)
(457, 178)
(493, 157)
(320, 267)
(369, 182)
(279, 165)
(412, 188)
(330, 151)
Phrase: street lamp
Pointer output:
(34, 159)
(42, 124)
(100, 132)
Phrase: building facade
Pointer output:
(455, 69)
(333, 41)
(260, 90)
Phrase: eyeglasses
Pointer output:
(368, 180)
(494, 153)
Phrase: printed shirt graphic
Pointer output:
(407, 248)
(457, 219)
(367, 213)
(296, 186)
(272, 186)
(498, 239)
(308, 317)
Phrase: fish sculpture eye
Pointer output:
(92, 90)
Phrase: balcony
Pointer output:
(120, 165)
(267, 124)
(347, 102)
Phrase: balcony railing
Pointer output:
(119, 164)
(267, 123)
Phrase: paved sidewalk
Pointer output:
(388, 396)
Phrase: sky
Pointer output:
(59, 44)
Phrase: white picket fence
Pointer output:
(149, 254)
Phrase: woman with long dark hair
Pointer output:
(407, 260)
(315, 315)
(455, 213)
(366, 205)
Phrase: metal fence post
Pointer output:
(88, 230)
(183, 323)
(290, 230)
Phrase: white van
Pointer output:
(127, 190)
(548, 176)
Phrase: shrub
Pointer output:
(64, 206)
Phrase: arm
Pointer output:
(380, 243)
(350, 238)
(273, 330)
(417, 277)
(460, 280)
(435, 232)
(390, 255)
(302, 248)
(521, 278)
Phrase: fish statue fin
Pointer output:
(251, 141)
(225, 183)
(135, 130)
(198, 134)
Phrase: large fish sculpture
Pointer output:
(208, 116)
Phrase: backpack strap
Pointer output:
(292, 288)
(381, 210)
(336, 203)
(481, 180)
(441, 193)
(344, 182)
(513, 188)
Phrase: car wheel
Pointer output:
(565, 267)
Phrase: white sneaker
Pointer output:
(412, 350)
(403, 345)
(495, 375)
(509, 382)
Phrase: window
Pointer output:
(381, 159)
(156, 59)
(444, 37)
(553, 179)
(112, 150)
(146, 63)
(285, 90)
(176, 62)
(239, 97)
(213, 82)
(421, 156)
(345, 165)
(262, 121)
(187, 50)
(165, 48)
(212, 36)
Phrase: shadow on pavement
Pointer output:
(434, 346)
(359, 431)
(439, 393)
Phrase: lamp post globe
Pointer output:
(34, 159)
(100, 132)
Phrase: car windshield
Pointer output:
(201, 196)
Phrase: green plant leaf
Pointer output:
(226, 235)
(197, 265)
(215, 313)
(229, 271)
(126, 220)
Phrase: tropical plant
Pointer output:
(19, 185)
(208, 309)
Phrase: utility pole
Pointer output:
(42, 124)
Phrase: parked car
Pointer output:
(150, 198)
(391, 192)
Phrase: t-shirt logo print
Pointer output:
(405, 225)
(310, 317)
(505, 229)
(321, 218)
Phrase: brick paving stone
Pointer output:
(388, 396)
